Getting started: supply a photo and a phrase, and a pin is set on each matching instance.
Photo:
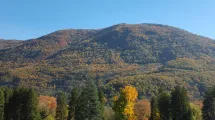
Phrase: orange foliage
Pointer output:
(198, 103)
(142, 110)
(48, 103)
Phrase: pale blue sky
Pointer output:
(25, 19)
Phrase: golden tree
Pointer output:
(124, 104)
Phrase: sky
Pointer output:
(26, 19)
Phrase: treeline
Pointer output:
(18, 104)
(176, 106)
(23, 104)
(89, 103)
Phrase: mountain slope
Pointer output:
(5, 44)
(144, 55)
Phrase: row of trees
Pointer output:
(165, 106)
(87, 103)
(18, 104)
(176, 106)
(23, 104)
(84, 104)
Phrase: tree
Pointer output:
(119, 106)
(47, 106)
(164, 106)
(61, 111)
(142, 109)
(8, 93)
(23, 105)
(124, 104)
(180, 104)
(196, 112)
(102, 102)
(17, 104)
(2, 102)
(31, 106)
(73, 103)
(89, 106)
(154, 109)
(208, 109)
(49, 117)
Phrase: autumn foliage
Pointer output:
(142, 110)
(124, 104)
(47, 105)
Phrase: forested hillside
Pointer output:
(147, 56)
(5, 44)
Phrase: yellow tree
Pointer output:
(124, 104)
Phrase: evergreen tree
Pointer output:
(102, 102)
(23, 105)
(89, 105)
(17, 104)
(119, 106)
(164, 106)
(32, 112)
(73, 103)
(8, 93)
(154, 109)
(2, 102)
(61, 111)
(180, 105)
(209, 105)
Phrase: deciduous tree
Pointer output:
(124, 104)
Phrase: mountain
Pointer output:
(5, 44)
(148, 56)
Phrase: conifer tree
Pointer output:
(208, 109)
(2, 102)
(102, 102)
(8, 93)
(73, 102)
(89, 105)
(119, 106)
(23, 105)
(61, 111)
(17, 104)
(180, 105)
(154, 108)
(32, 112)
(164, 106)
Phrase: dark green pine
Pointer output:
(89, 105)
(180, 104)
(73, 103)
(61, 111)
(154, 108)
(164, 106)
(208, 109)
(31, 106)
(2, 102)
